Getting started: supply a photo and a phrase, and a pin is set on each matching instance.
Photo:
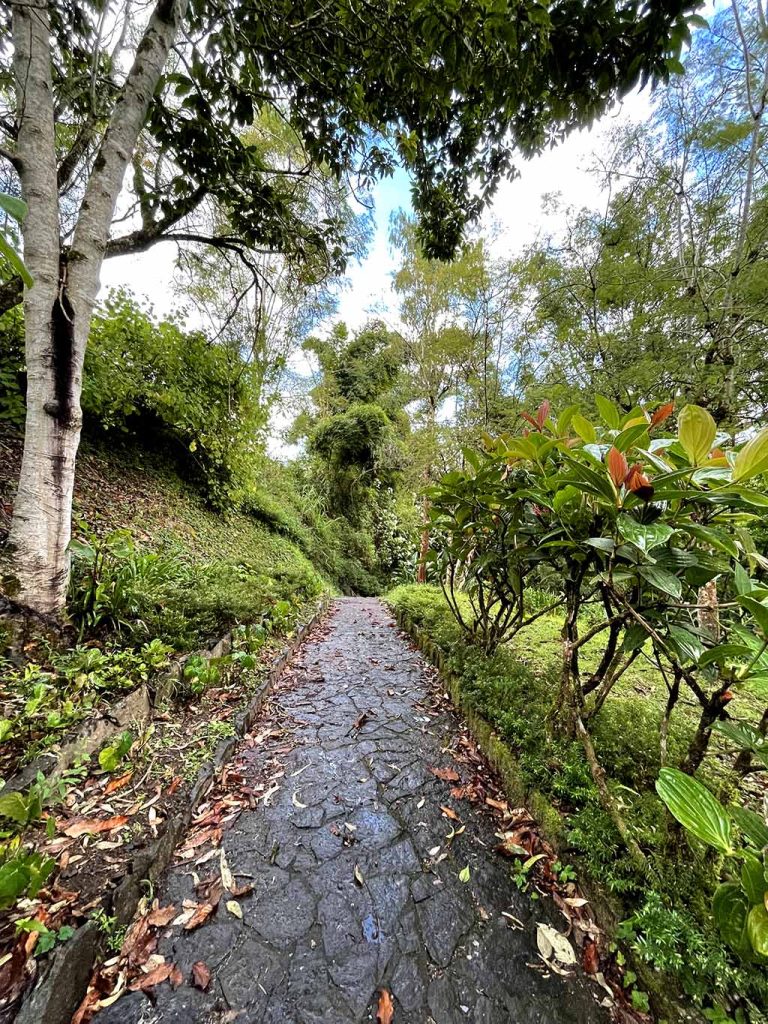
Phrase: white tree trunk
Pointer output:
(58, 308)
(40, 529)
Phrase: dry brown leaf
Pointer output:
(176, 978)
(499, 805)
(590, 958)
(386, 1009)
(449, 813)
(203, 912)
(155, 977)
(162, 916)
(201, 975)
(83, 826)
(446, 774)
(175, 783)
(115, 784)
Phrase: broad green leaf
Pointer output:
(752, 827)
(645, 536)
(630, 437)
(753, 879)
(696, 431)
(662, 580)
(741, 581)
(730, 908)
(14, 878)
(757, 610)
(688, 646)
(634, 637)
(697, 810)
(17, 208)
(757, 929)
(718, 539)
(746, 737)
(608, 411)
(753, 457)
(584, 428)
(724, 654)
(14, 806)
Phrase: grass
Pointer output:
(666, 911)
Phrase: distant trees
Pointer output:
(665, 291)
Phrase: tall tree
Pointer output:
(453, 90)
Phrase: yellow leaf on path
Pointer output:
(235, 909)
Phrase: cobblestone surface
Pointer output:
(315, 944)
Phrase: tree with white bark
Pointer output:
(102, 93)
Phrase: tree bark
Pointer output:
(58, 308)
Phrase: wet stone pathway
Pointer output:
(347, 897)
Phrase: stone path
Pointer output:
(315, 944)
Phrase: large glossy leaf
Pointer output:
(697, 810)
(753, 457)
(632, 436)
(696, 431)
(645, 536)
(688, 646)
(724, 654)
(730, 909)
(14, 206)
(757, 930)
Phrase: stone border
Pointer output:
(607, 910)
(62, 986)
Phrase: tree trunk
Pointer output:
(41, 523)
(58, 308)
(421, 575)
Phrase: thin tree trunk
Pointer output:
(58, 308)
(421, 575)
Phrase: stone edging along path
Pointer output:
(665, 996)
(62, 984)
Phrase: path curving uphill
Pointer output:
(347, 897)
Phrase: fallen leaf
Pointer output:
(235, 909)
(162, 916)
(175, 783)
(386, 1009)
(176, 978)
(464, 874)
(499, 805)
(590, 958)
(227, 879)
(89, 826)
(552, 943)
(509, 847)
(359, 875)
(449, 813)
(295, 800)
(576, 901)
(155, 977)
(202, 913)
(446, 774)
(115, 784)
(201, 976)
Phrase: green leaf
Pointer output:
(12, 257)
(662, 580)
(17, 208)
(584, 428)
(6, 728)
(757, 610)
(757, 930)
(753, 879)
(464, 874)
(14, 878)
(14, 806)
(752, 827)
(696, 431)
(753, 457)
(729, 909)
(630, 436)
(645, 536)
(724, 654)
(688, 646)
(741, 581)
(692, 804)
(608, 411)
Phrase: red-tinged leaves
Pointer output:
(201, 975)
(662, 413)
(529, 419)
(155, 977)
(175, 783)
(203, 912)
(637, 482)
(89, 826)
(446, 774)
(590, 958)
(162, 916)
(385, 1011)
(542, 414)
(617, 467)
